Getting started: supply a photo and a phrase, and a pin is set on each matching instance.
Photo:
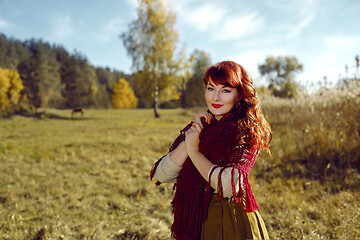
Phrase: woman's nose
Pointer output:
(216, 95)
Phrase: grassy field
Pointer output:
(87, 178)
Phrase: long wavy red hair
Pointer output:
(251, 119)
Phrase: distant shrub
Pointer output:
(174, 103)
(123, 95)
(10, 87)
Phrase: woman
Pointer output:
(210, 161)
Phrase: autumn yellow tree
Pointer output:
(10, 88)
(123, 95)
(151, 42)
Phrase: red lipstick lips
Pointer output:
(216, 105)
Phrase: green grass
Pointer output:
(88, 178)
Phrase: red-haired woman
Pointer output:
(211, 158)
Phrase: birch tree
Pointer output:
(151, 42)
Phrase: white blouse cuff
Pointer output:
(167, 170)
(225, 180)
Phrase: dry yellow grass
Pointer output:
(88, 178)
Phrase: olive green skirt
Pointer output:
(228, 220)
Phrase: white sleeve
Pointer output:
(167, 170)
(225, 180)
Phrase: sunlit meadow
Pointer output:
(87, 178)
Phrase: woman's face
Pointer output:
(220, 99)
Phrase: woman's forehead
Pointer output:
(210, 82)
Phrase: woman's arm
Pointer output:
(179, 154)
(234, 180)
(224, 175)
(170, 166)
(167, 171)
(202, 164)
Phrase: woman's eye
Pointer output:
(226, 91)
(210, 88)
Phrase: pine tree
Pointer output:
(78, 80)
(194, 92)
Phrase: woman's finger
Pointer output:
(197, 126)
(198, 118)
(208, 118)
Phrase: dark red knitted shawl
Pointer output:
(221, 144)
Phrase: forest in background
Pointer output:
(54, 78)
(36, 74)
(46, 75)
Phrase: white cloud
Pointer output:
(337, 52)
(312, 76)
(220, 23)
(236, 27)
(114, 25)
(299, 27)
(63, 26)
(338, 49)
(3, 23)
(296, 16)
(111, 29)
(250, 59)
(342, 43)
(203, 17)
(133, 3)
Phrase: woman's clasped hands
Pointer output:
(193, 133)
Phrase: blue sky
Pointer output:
(323, 34)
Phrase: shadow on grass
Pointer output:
(46, 115)
(346, 177)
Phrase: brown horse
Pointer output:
(77, 110)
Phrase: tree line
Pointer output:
(39, 74)
(52, 77)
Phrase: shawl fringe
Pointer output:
(187, 226)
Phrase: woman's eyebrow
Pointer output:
(222, 86)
